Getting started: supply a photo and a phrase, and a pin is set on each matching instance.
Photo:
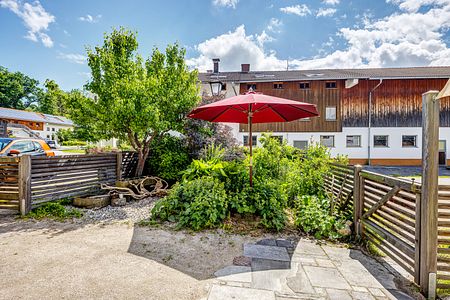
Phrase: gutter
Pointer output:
(369, 148)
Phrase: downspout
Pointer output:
(370, 122)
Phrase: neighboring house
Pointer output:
(389, 133)
(21, 123)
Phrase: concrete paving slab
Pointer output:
(326, 278)
(235, 273)
(300, 282)
(308, 248)
(259, 264)
(361, 296)
(224, 292)
(267, 242)
(336, 253)
(269, 280)
(306, 261)
(334, 294)
(356, 274)
(266, 252)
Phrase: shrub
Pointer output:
(312, 215)
(55, 211)
(168, 158)
(74, 143)
(265, 200)
(197, 204)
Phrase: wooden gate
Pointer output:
(387, 217)
(9, 183)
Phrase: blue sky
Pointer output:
(47, 39)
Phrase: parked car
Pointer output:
(24, 146)
(52, 144)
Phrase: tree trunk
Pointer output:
(141, 163)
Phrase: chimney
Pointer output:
(216, 65)
(245, 68)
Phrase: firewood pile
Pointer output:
(139, 188)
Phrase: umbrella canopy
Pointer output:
(252, 108)
(264, 108)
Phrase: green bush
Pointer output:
(54, 210)
(74, 143)
(168, 157)
(312, 215)
(197, 204)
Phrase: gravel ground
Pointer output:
(132, 212)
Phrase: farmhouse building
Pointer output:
(371, 115)
(21, 123)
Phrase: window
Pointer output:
(409, 141)
(38, 147)
(53, 129)
(279, 138)
(251, 86)
(353, 141)
(224, 86)
(304, 85)
(327, 140)
(23, 146)
(301, 144)
(278, 86)
(48, 136)
(381, 141)
(48, 128)
(330, 85)
(330, 113)
(254, 140)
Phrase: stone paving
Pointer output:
(281, 270)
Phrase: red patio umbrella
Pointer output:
(253, 107)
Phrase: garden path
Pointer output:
(280, 270)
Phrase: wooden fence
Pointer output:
(29, 181)
(386, 213)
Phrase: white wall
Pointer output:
(395, 149)
(48, 132)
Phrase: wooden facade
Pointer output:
(395, 103)
(29, 124)
(317, 94)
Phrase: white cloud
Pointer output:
(414, 5)
(225, 3)
(331, 2)
(325, 12)
(35, 18)
(402, 39)
(274, 25)
(73, 58)
(90, 19)
(235, 48)
(299, 10)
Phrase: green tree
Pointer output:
(53, 100)
(134, 99)
(18, 90)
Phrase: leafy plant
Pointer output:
(199, 168)
(197, 204)
(55, 211)
(168, 158)
(312, 215)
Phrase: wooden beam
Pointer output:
(380, 203)
(356, 198)
(429, 200)
(119, 166)
(25, 184)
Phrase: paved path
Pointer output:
(304, 271)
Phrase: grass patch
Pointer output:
(78, 151)
(55, 211)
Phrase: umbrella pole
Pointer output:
(250, 142)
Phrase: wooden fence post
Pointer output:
(25, 184)
(417, 246)
(356, 199)
(118, 165)
(429, 199)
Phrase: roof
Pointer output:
(23, 115)
(329, 74)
